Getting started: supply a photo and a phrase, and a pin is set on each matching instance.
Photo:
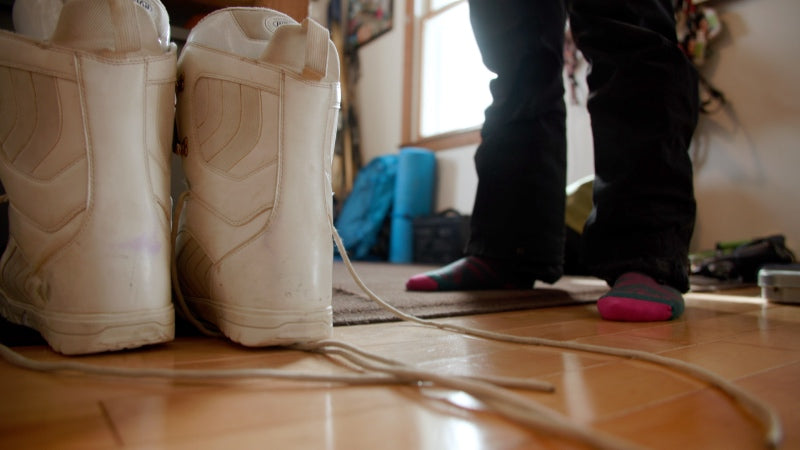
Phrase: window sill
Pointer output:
(447, 141)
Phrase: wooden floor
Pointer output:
(753, 344)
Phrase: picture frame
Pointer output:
(367, 20)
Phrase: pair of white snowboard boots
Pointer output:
(88, 110)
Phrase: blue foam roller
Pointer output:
(413, 197)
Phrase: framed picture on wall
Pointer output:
(366, 20)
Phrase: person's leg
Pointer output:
(644, 108)
(517, 231)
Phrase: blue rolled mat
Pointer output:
(414, 192)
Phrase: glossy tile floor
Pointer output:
(753, 344)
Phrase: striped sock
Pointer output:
(639, 298)
(469, 273)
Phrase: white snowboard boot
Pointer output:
(86, 120)
(257, 116)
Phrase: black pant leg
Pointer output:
(644, 105)
(521, 163)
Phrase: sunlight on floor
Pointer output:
(728, 298)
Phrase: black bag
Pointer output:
(741, 261)
(440, 239)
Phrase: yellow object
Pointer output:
(579, 203)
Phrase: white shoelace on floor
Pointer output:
(374, 369)
(762, 412)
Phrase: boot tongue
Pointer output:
(113, 26)
(245, 32)
(261, 34)
(158, 14)
(305, 50)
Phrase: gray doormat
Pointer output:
(352, 307)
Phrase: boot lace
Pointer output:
(370, 369)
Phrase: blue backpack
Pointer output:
(367, 207)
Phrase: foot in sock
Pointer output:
(468, 274)
(639, 298)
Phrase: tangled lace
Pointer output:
(494, 392)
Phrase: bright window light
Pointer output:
(454, 82)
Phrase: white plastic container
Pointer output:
(780, 283)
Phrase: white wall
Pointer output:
(379, 93)
(747, 160)
(747, 157)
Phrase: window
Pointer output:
(451, 84)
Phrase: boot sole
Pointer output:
(263, 327)
(75, 334)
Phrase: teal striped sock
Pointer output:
(469, 273)
(636, 297)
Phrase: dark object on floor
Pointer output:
(440, 239)
(12, 335)
(741, 261)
